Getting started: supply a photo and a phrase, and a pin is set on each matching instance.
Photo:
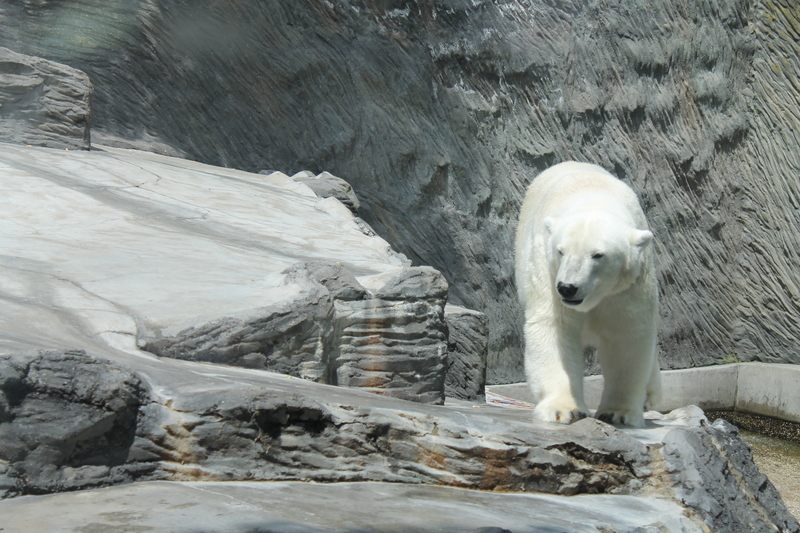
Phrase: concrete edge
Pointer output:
(769, 389)
(760, 388)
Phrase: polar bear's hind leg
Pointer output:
(653, 396)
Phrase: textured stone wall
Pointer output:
(441, 112)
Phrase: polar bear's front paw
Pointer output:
(561, 412)
(621, 416)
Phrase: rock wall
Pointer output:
(441, 112)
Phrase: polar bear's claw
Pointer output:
(624, 418)
(568, 417)
(608, 418)
(560, 415)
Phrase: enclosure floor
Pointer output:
(779, 460)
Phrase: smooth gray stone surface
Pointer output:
(43, 103)
(439, 114)
(288, 507)
(157, 244)
(201, 263)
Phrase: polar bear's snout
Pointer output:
(566, 290)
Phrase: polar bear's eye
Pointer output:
(598, 255)
(560, 251)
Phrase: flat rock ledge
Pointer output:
(70, 421)
(316, 508)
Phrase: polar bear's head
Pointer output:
(593, 257)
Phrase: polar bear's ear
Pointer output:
(641, 238)
(549, 223)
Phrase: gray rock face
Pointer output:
(391, 341)
(293, 338)
(43, 103)
(689, 456)
(201, 423)
(67, 421)
(440, 113)
(468, 334)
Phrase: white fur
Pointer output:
(581, 226)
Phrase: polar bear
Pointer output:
(585, 276)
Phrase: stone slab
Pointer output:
(43, 103)
(294, 507)
(158, 244)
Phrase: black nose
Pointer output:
(566, 290)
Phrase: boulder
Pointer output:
(68, 422)
(326, 185)
(43, 103)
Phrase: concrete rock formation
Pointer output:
(197, 423)
(43, 103)
(228, 267)
(468, 335)
(439, 114)
(246, 268)
(392, 341)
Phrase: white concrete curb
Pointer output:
(759, 388)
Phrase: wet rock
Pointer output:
(43, 103)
